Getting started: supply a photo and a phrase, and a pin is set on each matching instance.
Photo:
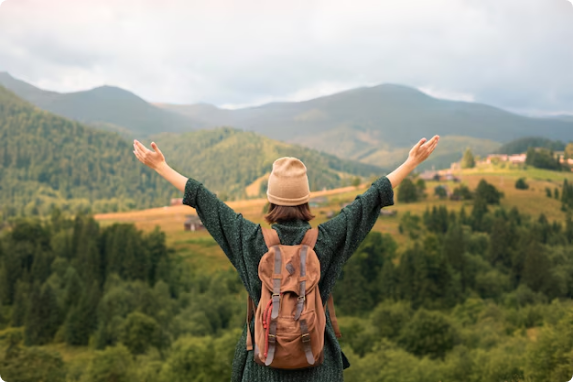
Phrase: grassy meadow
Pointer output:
(200, 249)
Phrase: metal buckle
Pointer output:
(275, 295)
(305, 337)
(301, 298)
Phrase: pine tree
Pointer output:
(41, 266)
(454, 252)
(350, 292)
(20, 306)
(408, 192)
(537, 268)
(43, 318)
(468, 159)
(82, 317)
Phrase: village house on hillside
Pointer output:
(568, 162)
(192, 223)
(514, 159)
(439, 176)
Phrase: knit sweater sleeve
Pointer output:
(346, 231)
(225, 225)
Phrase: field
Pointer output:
(201, 250)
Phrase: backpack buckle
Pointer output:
(301, 298)
(305, 338)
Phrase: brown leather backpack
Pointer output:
(290, 318)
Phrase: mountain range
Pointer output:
(106, 107)
(374, 125)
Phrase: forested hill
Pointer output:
(48, 160)
(106, 107)
(228, 159)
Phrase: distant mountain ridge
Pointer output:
(375, 125)
(378, 125)
(399, 112)
(104, 105)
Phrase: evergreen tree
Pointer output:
(537, 268)
(43, 317)
(350, 292)
(521, 184)
(566, 198)
(82, 317)
(468, 159)
(408, 192)
(388, 283)
(502, 240)
(41, 266)
(479, 209)
(454, 252)
(488, 192)
(20, 306)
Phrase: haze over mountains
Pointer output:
(375, 125)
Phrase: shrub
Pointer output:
(521, 184)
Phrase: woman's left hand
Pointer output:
(153, 159)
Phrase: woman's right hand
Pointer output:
(421, 151)
(153, 159)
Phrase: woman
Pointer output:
(244, 245)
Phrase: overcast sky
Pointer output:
(514, 54)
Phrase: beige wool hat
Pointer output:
(288, 184)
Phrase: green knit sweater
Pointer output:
(243, 243)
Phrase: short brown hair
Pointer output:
(276, 213)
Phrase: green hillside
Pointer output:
(228, 160)
(370, 147)
(47, 160)
(523, 144)
(108, 105)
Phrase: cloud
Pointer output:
(515, 54)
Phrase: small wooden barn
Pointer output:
(192, 223)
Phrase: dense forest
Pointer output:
(519, 146)
(479, 295)
(48, 161)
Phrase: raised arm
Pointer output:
(346, 231)
(418, 154)
(224, 224)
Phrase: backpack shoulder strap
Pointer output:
(270, 236)
(311, 237)
(333, 317)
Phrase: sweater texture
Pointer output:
(242, 242)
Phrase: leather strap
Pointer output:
(250, 310)
(276, 283)
(301, 298)
(271, 339)
(333, 316)
(310, 237)
(306, 339)
(271, 237)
